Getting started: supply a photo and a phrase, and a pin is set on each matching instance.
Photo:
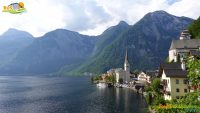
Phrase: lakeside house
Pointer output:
(183, 46)
(174, 75)
(142, 76)
(148, 76)
(174, 80)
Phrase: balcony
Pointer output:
(166, 91)
(164, 83)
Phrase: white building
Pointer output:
(120, 74)
(174, 80)
(142, 77)
(123, 74)
(183, 46)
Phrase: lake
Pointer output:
(44, 94)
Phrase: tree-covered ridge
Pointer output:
(147, 43)
(194, 28)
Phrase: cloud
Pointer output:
(188, 8)
(89, 17)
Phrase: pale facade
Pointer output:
(174, 80)
(120, 74)
(174, 87)
(143, 77)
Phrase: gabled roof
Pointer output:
(180, 44)
(172, 70)
(174, 65)
(175, 73)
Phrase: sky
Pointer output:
(90, 17)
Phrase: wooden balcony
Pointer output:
(164, 83)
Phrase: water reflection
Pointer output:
(64, 95)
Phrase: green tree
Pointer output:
(111, 79)
(159, 100)
(156, 85)
(194, 29)
(193, 66)
(149, 98)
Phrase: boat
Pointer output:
(118, 85)
(101, 85)
(125, 85)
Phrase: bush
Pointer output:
(159, 100)
(149, 98)
(156, 85)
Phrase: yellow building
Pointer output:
(174, 80)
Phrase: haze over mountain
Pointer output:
(11, 42)
(69, 52)
(47, 54)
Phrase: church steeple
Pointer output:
(126, 63)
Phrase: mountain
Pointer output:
(67, 52)
(147, 43)
(11, 42)
(108, 36)
(47, 54)
(103, 40)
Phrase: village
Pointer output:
(172, 75)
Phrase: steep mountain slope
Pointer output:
(11, 42)
(108, 36)
(103, 40)
(147, 42)
(49, 53)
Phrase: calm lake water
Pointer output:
(36, 94)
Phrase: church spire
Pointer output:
(126, 63)
(126, 57)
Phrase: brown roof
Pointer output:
(180, 44)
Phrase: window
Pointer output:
(185, 81)
(185, 90)
(177, 81)
(177, 89)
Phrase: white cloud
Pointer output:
(90, 17)
(188, 8)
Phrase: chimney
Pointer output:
(183, 67)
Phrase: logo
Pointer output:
(15, 8)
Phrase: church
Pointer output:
(182, 47)
(123, 74)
